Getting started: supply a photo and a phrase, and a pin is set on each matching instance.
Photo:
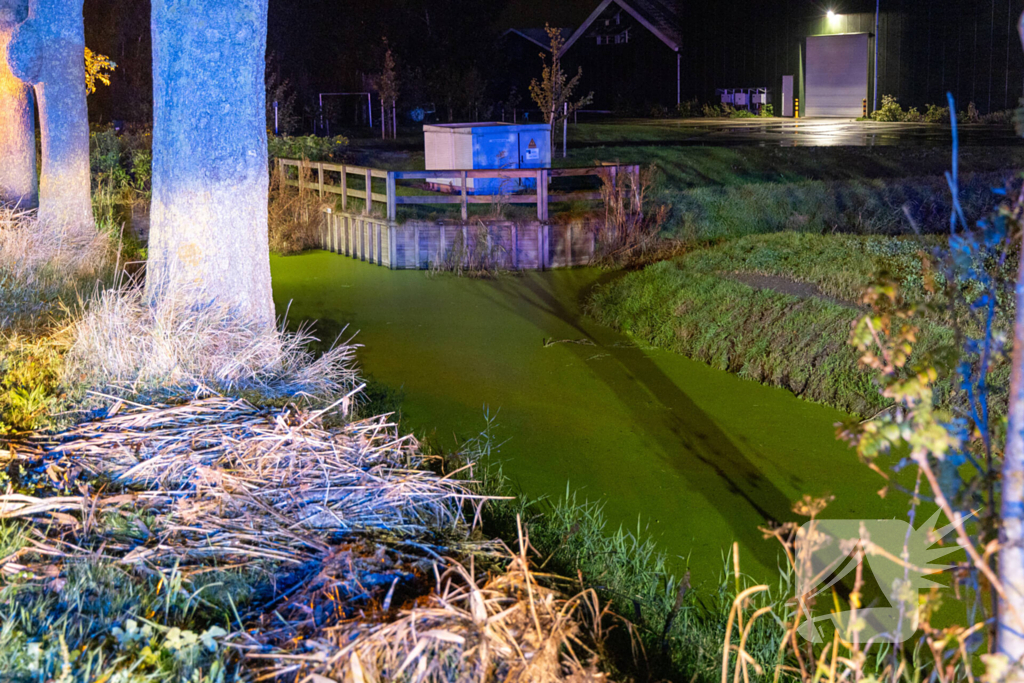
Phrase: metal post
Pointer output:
(275, 117)
(369, 108)
(679, 71)
(874, 106)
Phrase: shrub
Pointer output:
(767, 111)
(890, 111)
(711, 111)
(742, 114)
(688, 108)
(936, 114)
(308, 147)
(659, 111)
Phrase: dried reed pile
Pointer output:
(227, 480)
(356, 532)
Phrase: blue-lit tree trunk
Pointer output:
(1011, 554)
(48, 52)
(208, 229)
(17, 119)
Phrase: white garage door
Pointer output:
(837, 75)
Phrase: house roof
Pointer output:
(660, 17)
(539, 36)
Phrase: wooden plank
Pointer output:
(344, 188)
(465, 206)
(575, 196)
(368, 193)
(390, 190)
(416, 245)
(515, 247)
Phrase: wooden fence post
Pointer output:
(320, 177)
(392, 204)
(369, 193)
(416, 246)
(280, 173)
(515, 247)
(465, 205)
(540, 198)
(344, 188)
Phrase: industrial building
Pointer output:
(839, 53)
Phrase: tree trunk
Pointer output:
(48, 52)
(1010, 638)
(17, 119)
(208, 233)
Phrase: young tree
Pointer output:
(47, 51)
(387, 87)
(208, 235)
(553, 94)
(17, 119)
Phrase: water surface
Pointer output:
(698, 455)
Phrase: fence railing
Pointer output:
(322, 181)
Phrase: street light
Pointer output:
(831, 14)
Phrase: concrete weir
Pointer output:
(424, 245)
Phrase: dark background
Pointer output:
(452, 56)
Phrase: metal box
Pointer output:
(490, 145)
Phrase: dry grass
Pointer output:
(502, 627)
(30, 249)
(125, 344)
(632, 223)
(293, 214)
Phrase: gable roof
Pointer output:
(660, 17)
(538, 36)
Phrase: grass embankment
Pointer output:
(776, 332)
(721, 192)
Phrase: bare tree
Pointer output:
(554, 92)
(17, 119)
(48, 51)
(209, 210)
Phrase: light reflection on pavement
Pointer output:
(824, 132)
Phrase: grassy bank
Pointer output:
(776, 332)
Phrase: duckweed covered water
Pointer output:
(700, 457)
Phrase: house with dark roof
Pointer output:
(629, 51)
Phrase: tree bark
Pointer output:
(18, 183)
(48, 52)
(208, 228)
(1010, 636)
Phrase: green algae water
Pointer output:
(699, 457)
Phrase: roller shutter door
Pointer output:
(837, 75)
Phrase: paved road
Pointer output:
(827, 132)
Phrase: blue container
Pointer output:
(473, 146)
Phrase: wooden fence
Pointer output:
(328, 178)
(421, 245)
